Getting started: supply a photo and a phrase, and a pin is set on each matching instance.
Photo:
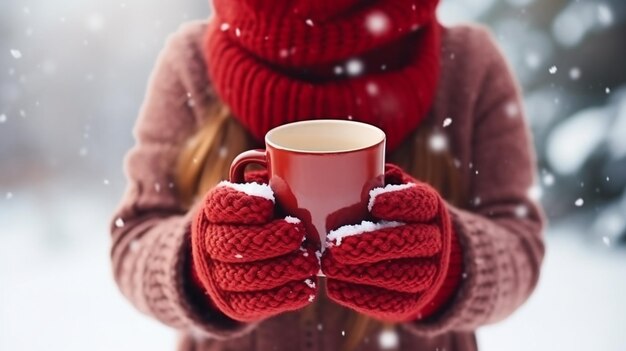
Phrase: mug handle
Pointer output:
(238, 167)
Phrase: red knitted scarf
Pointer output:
(280, 61)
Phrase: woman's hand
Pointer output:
(397, 269)
(251, 264)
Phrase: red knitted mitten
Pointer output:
(251, 264)
(402, 268)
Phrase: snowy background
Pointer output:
(72, 76)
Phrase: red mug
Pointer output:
(321, 171)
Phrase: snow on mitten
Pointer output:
(251, 264)
(404, 267)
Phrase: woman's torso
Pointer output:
(458, 92)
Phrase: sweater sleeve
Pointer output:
(501, 231)
(150, 230)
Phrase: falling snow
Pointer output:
(119, 223)
(535, 192)
(377, 23)
(521, 211)
(553, 70)
(388, 339)
(447, 122)
(134, 245)
(237, 32)
(372, 88)
(605, 15)
(579, 202)
(548, 179)
(574, 73)
(3, 118)
(438, 142)
(16, 54)
(354, 67)
(223, 152)
(310, 283)
(309, 22)
(224, 27)
(512, 109)
(607, 90)
(238, 256)
(533, 60)
(94, 22)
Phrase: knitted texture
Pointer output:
(395, 273)
(284, 61)
(502, 253)
(251, 265)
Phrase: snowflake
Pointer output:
(9, 195)
(535, 192)
(553, 70)
(239, 256)
(354, 67)
(447, 122)
(134, 245)
(95, 22)
(377, 23)
(548, 179)
(533, 60)
(521, 211)
(3, 118)
(607, 90)
(438, 142)
(309, 22)
(16, 54)
(237, 32)
(372, 88)
(574, 73)
(223, 152)
(119, 223)
(224, 27)
(605, 15)
(388, 339)
(579, 202)
(511, 109)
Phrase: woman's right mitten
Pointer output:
(251, 264)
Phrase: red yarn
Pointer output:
(251, 265)
(274, 62)
(401, 273)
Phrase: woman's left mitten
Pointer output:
(397, 269)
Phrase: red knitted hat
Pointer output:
(280, 61)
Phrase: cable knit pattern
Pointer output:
(501, 252)
(251, 269)
(426, 238)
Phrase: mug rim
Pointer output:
(381, 139)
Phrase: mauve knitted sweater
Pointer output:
(499, 230)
